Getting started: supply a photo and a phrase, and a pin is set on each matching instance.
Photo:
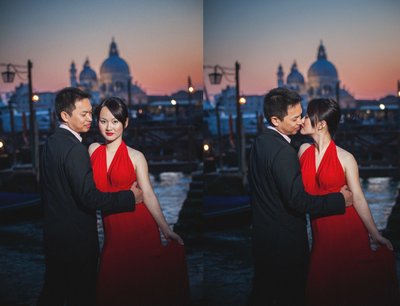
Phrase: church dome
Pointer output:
(322, 67)
(114, 64)
(87, 74)
(295, 77)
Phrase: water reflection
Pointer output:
(380, 193)
(171, 189)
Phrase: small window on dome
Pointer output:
(118, 87)
(326, 90)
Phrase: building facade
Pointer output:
(322, 81)
(115, 79)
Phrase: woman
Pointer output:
(344, 270)
(135, 268)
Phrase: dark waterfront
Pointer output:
(219, 264)
(22, 260)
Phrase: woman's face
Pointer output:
(109, 126)
(307, 128)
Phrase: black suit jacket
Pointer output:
(70, 198)
(279, 202)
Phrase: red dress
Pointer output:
(135, 268)
(344, 270)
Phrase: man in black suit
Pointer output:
(70, 200)
(279, 204)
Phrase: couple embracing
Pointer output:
(135, 267)
(285, 185)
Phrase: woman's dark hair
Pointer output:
(277, 102)
(116, 106)
(324, 109)
(66, 98)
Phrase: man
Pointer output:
(70, 200)
(279, 204)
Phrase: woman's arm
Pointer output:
(360, 204)
(149, 198)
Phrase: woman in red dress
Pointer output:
(344, 270)
(135, 267)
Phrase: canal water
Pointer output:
(21, 257)
(228, 258)
(226, 264)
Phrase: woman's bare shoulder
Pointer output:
(135, 155)
(303, 147)
(93, 147)
(344, 156)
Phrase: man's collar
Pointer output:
(64, 126)
(287, 138)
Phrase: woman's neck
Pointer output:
(113, 145)
(322, 141)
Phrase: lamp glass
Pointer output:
(8, 76)
(215, 78)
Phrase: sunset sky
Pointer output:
(162, 41)
(361, 38)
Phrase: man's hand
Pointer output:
(348, 195)
(137, 192)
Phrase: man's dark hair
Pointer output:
(117, 107)
(277, 102)
(324, 109)
(66, 98)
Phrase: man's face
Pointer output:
(81, 118)
(292, 122)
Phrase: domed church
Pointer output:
(322, 81)
(115, 79)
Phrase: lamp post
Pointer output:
(190, 92)
(14, 143)
(129, 87)
(175, 103)
(337, 89)
(8, 77)
(215, 79)
(220, 158)
(398, 89)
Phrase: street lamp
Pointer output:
(8, 77)
(215, 79)
(398, 89)
(190, 93)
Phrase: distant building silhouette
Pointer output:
(115, 79)
(322, 81)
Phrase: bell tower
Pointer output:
(72, 75)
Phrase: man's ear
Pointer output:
(64, 116)
(274, 121)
